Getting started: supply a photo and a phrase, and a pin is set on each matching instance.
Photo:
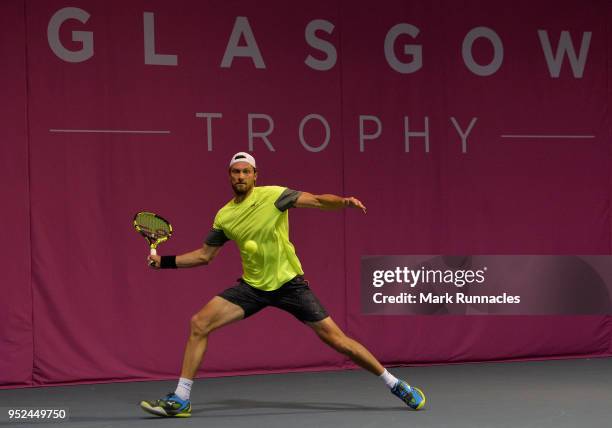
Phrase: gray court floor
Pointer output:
(559, 394)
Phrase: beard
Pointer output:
(240, 189)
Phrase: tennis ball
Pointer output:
(250, 247)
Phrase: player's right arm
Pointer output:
(199, 257)
(202, 256)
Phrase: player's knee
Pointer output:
(200, 325)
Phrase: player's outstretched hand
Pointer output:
(154, 261)
(356, 203)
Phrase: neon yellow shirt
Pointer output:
(272, 260)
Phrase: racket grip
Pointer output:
(153, 252)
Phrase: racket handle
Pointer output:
(153, 252)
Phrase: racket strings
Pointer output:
(152, 226)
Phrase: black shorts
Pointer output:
(294, 297)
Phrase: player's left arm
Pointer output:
(327, 202)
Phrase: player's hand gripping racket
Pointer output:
(154, 228)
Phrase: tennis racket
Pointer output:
(154, 228)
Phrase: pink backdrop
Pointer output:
(78, 303)
(16, 320)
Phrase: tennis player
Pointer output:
(256, 218)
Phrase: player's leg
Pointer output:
(215, 314)
(329, 332)
(297, 298)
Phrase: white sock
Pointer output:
(388, 379)
(183, 389)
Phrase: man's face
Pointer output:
(242, 177)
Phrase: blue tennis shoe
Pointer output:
(169, 406)
(412, 396)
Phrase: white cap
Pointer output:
(243, 157)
